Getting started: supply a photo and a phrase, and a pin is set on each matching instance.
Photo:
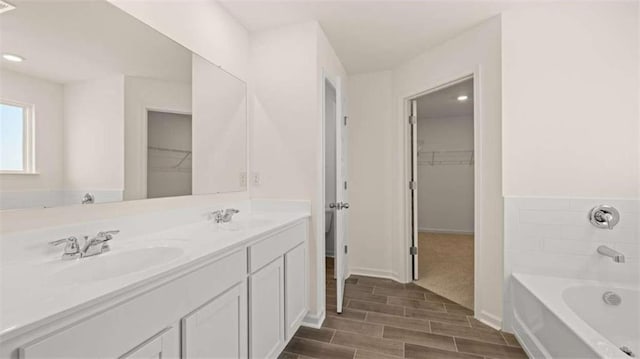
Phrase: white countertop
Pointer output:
(33, 291)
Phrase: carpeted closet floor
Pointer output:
(446, 266)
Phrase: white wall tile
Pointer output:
(553, 237)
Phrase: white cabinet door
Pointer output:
(219, 328)
(295, 267)
(162, 346)
(266, 324)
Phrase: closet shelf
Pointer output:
(446, 158)
(163, 159)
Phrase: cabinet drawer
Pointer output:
(270, 248)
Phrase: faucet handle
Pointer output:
(67, 240)
(215, 214)
(604, 216)
(231, 211)
(107, 235)
(71, 249)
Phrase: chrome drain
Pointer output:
(628, 351)
(611, 298)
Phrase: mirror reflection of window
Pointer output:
(15, 138)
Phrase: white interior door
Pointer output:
(342, 204)
(413, 185)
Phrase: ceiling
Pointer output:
(372, 35)
(66, 41)
(444, 102)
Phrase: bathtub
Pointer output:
(568, 318)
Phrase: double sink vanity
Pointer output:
(172, 283)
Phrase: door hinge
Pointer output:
(413, 120)
(345, 184)
(346, 249)
(413, 185)
(413, 250)
(345, 120)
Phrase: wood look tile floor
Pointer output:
(384, 319)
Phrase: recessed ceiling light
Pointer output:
(12, 57)
(463, 98)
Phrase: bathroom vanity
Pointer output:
(192, 289)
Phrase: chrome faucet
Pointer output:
(604, 216)
(98, 244)
(610, 252)
(223, 217)
(88, 198)
(94, 246)
(71, 248)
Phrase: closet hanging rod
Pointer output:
(167, 149)
(445, 157)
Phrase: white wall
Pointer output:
(47, 98)
(570, 100)
(94, 131)
(477, 49)
(142, 94)
(571, 138)
(201, 26)
(379, 226)
(286, 130)
(169, 172)
(445, 192)
(285, 123)
(219, 130)
(370, 157)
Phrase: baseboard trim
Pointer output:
(444, 231)
(370, 272)
(314, 321)
(489, 319)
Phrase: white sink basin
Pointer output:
(117, 263)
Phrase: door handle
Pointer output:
(339, 205)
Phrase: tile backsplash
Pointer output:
(553, 237)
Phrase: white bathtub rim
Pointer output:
(538, 285)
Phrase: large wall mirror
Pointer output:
(96, 106)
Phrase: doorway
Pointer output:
(443, 190)
(169, 154)
(335, 193)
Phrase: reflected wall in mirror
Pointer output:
(103, 104)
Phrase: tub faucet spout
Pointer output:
(610, 252)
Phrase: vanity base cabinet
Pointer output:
(277, 290)
(247, 303)
(266, 310)
(122, 326)
(217, 330)
(295, 274)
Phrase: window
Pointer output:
(16, 138)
